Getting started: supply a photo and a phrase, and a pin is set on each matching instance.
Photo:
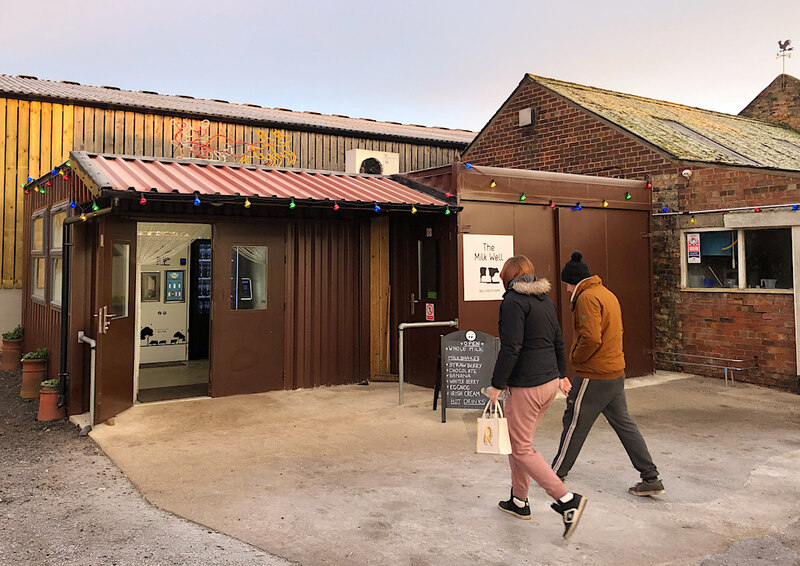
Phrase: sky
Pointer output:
(436, 63)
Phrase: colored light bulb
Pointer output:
(795, 207)
(664, 209)
(30, 179)
(72, 204)
(292, 204)
(578, 206)
(247, 202)
(66, 177)
(692, 220)
(523, 197)
(627, 196)
(377, 208)
(757, 209)
(413, 210)
(54, 171)
(649, 185)
(95, 207)
(447, 211)
(448, 195)
(335, 206)
(492, 184)
(197, 201)
(83, 217)
(605, 203)
(552, 204)
(468, 165)
(143, 201)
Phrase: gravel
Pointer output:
(62, 501)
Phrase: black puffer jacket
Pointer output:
(531, 344)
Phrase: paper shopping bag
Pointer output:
(493, 431)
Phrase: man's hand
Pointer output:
(565, 385)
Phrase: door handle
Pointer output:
(103, 320)
(413, 302)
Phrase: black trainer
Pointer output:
(645, 488)
(570, 511)
(513, 509)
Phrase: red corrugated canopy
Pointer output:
(169, 176)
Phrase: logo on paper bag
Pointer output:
(487, 435)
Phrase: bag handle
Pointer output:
(497, 410)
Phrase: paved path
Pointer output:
(343, 475)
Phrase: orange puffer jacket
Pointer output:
(597, 319)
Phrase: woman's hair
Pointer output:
(514, 267)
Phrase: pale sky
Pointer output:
(436, 63)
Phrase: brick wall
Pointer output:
(567, 139)
(740, 325)
(778, 103)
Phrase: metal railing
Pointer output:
(729, 365)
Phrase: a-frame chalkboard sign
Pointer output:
(467, 363)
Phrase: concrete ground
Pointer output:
(343, 475)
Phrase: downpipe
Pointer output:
(82, 338)
(400, 328)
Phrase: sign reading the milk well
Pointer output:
(484, 256)
(468, 359)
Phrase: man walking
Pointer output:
(599, 385)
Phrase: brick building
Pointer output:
(726, 184)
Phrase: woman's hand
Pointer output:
(494, 394)
(565, 385)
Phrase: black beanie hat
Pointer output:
(575, 270)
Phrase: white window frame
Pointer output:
(742, 265)
(56, 253)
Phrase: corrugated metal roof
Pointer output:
(189, 177)
(186, 105)
(699, 133)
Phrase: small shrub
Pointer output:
(50, 383)
(40, 354)
(15, 334)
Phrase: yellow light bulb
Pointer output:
(492, 184)
(413, 210)
(247, 203)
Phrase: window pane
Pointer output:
(37, 233)
(120, 280)
(768, 256)
(717, 264)
(38, 266)
(57, 233)
(249, 278)
(55, 291)
(428, 268)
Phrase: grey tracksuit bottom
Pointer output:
(587, 399)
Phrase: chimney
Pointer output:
(779, 103)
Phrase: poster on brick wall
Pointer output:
(693, 247)
(484, 256)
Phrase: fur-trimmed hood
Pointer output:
(529, 285)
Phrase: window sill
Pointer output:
(735, 290)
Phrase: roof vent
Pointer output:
(311, 112)
(284, 109)
(111, 87)
(148, 91)
(252, 105)
(71, 83)
(28, 77)
(185, 96)
(220, 100)
(340, 115)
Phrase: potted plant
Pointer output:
(48, 401)
(12, 346)
(34, 369)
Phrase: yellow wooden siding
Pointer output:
(38, 136)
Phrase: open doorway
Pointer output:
(173, 304)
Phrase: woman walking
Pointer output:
(531, 365)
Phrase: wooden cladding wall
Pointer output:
(327, 303)
(37, 136)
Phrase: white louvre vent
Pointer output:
(370, 161)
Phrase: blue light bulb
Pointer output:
(197, 201)
(377, 208)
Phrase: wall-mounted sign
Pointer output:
(693, 247)
(429, 312)
(173, 286)
(484, 256)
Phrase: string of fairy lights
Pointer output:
(63, 171)
(43, 184)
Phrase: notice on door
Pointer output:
(468, 359)
(484, 256)
(693, 248)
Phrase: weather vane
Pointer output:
(785, 51)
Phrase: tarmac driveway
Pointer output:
(343, 475)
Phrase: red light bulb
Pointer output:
(142, 200)
(335, 206)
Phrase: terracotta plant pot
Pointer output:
(33, 372)
(12, 351)
(48, 405)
